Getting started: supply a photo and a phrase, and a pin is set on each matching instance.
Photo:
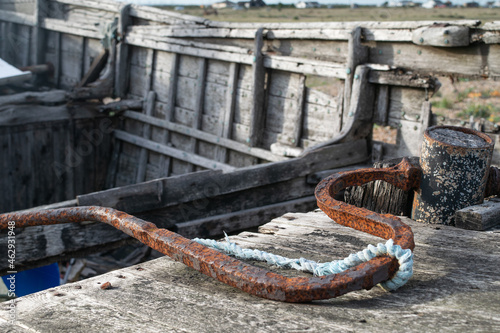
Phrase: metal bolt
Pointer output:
(356, 76)
(348, 71)
(419, 52)
(446, 41)
(421, 39)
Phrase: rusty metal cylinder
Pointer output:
(455, 163)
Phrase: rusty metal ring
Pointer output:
(404, 175)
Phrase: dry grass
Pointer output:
(273, 14)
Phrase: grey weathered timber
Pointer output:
(34, 97)
(201, 135)
(382, 109)
(165, 162)
(448, 36)
(227, 124)
(122, 51)
(258, 92)
(225, 183)
(146, 133)
(172, 152)
(357, 54)
(479, 217)
(454, 288)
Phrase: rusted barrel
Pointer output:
(455, 162)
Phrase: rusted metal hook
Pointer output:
(251, 279)
(404, 175)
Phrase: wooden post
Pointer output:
(257, 116)
(41, 11)
(165, 162)
(357, 55)
(200, 100)
(455, 162)
(122, 65)
(227, 122)
(146, 134)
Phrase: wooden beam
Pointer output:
(58, 59)
(18, 18)
(207, 137)
(199, 103)
(110, 6)
(382, 107)
(71, 28)
(32, 97)
(139, 40)
(160, 15)
(448, 36)
(172, 152)
(243, 219)
(305, 66)
(258, 89)
(227, 123)
(95, 68)
(25, 114)
(39, 51)
(146, 134)
(190, 187)
(122, 54)
(357, 54)
(166, 162)
(479, 217)
(292, 129)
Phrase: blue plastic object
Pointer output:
(34, 280)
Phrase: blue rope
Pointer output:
(405, 259)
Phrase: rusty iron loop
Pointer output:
(404, 175)
(251, 279)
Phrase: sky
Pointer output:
(270, 2)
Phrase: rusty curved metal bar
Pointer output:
(404, 175)
(251, 279)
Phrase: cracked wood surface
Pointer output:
(455, 287)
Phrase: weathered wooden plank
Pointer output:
(158, 15)
(16, 17)
(243, 219)
(258, 91)
(448, 36)
(165, 163)
(122, 52)
(292, 128)
(23, 114)
(479, 217)
(229, 110)
(100, 5)
(305, 66)
(146, 134)
(402, 79)
(70, 28)
(464, 60)
(198, 303)
(357, 54)
(172, 152)
(382, 108)
(33, 97)
(199, 102)
(201, 135)
(340, 25)
(139, 40)
(208, 184)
